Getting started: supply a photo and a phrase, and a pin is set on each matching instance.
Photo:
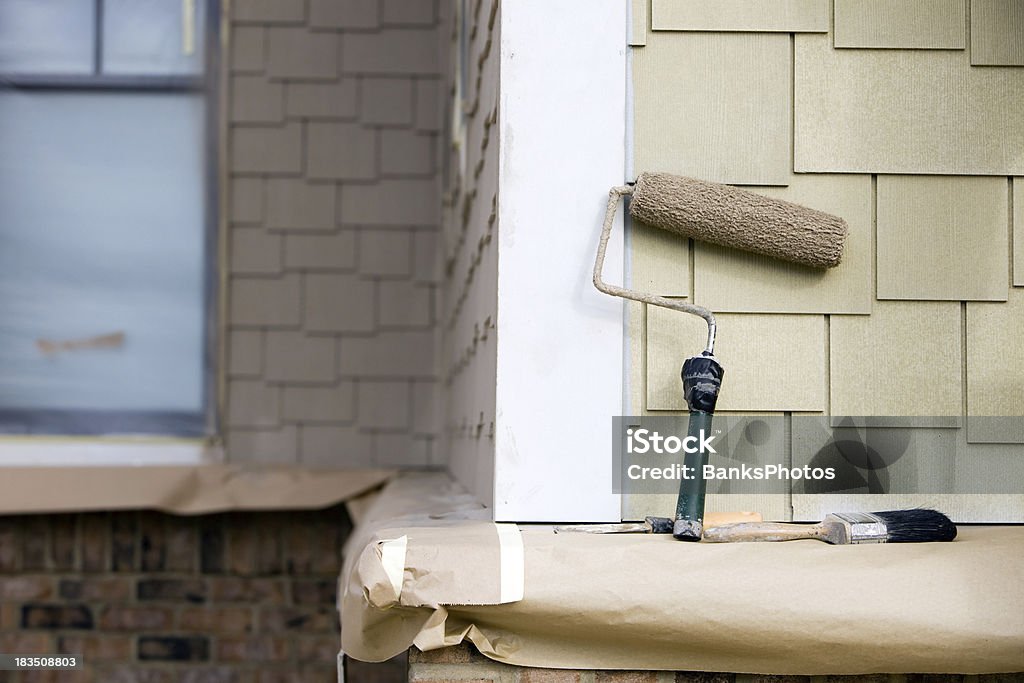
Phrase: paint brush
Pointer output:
(842, 528)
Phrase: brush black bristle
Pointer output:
(917, 526)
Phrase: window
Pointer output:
(107, 216)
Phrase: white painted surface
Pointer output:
(559, 370)
(512, 566)
(60, 452)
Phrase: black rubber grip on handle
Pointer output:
(702, 380)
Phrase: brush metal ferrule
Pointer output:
(862, 527)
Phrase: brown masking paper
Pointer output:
(181, 490)
(635, 601)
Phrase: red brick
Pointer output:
(314, 673)
(182, 551)
(211, 545)
(241, 551)
(124, 556)
(151, 542)
(626, 677)
(394, 669)
(315, 592)
(322, 649)
(93, 533)
(456, 654)
(263, 591)
(35, 543)
(56, 616)
(269, 547)
(134, 674)
(57, 676)
(530, 675)
(174, 648)
(299, 551)
(253, 649)
(173, 590)
(318, 673)
(10, 544)
(63, 534)
(704, 677)
(97, 589)
(17, 588)
(26, 643)
(219, 674)
(216, 619)
(96, 647)
(327, 552)
(284, 676)
(285, 619)
(118, 618)
(10, 616)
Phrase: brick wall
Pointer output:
(153, 598)
(334, 206)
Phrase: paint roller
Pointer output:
(731, 217)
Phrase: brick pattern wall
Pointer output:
(334, 207)
(464, 663)
(153, 598)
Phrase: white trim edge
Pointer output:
(69, 452)
(562, 133)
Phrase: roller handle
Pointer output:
(614, 196)
(689, 521)
(702, 380)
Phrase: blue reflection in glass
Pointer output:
(101, 234)
(47, 36)
(149, 37)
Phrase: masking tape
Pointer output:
(512, 565)
(392, 556)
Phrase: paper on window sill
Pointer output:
(195, 489)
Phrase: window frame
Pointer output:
(203, 424)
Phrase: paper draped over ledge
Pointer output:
(637, 601)
(185, 490)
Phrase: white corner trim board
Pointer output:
(560, 348)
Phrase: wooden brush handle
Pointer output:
(763, 531)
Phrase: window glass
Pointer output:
(102, 248)
(47, 36)
(153, 37)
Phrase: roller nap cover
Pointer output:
(731, 217)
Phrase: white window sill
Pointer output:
(47, 451)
